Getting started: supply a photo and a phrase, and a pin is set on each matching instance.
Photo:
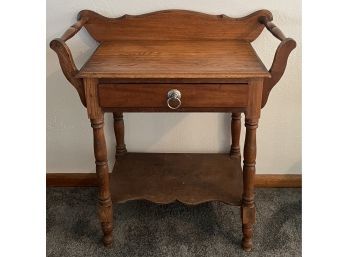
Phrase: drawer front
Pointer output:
(156, 95)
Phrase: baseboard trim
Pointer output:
(278, 180)
(90, 180)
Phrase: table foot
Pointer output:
(107, 238)
(105, 216)
(247, 243)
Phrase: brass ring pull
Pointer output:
(173, 99)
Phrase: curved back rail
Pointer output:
(174, 25)
(280, 58)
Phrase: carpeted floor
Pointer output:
(146, 229)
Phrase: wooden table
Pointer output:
(175, 61)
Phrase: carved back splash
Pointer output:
(174, 25)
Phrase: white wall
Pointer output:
(69, 135)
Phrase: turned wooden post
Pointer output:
(235, 133)
(252, 116)
(119, 133)
(101, 162)
(96, 116)
(248, 205)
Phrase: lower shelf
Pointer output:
(168, 177)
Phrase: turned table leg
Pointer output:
(235, 133)
(248, 205)
(119, 133)
(104, 198)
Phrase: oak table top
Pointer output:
(175, 61)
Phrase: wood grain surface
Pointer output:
(188, 178)
(155, 95)
(211, 59)
(173, 25)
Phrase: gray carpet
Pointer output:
(146, 229)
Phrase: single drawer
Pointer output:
(173, 96)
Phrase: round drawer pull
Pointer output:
(173, 99)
